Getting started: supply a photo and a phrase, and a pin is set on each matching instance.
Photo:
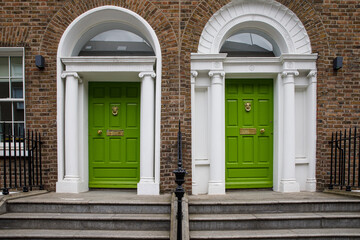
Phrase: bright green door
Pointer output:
(249, 133)
(114, 135)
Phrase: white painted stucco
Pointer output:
(72, 103)
(294, 75)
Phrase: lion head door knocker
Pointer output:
(248, 107)
(115, 110)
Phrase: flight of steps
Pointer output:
(329, 219)
(85, 220)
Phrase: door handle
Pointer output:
(262, 131)
(99, 132)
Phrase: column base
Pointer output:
(148, 188)
(216, 188)
(311, 185)
(195, 190)
(289, 185)
(71, 186)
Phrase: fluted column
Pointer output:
(217, 161)
(288, 181)
(311, 123)
(147, 185)
(72, 173)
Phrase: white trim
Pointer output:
(270, 17)
(81, 30)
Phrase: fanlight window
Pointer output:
(250, 44)
(117, 42)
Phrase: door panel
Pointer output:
(249, 133)
(114, 153)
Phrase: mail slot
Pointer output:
(110, 132)
(247, 131)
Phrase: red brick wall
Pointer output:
(333, 27)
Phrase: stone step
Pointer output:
(88, 207)
(85, 221)
(81, 234)
(206, 207)
(324, 234)
(208, 222)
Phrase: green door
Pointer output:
(114, 135)
(249, 133)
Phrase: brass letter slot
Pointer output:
(110, 132)
(247, 131)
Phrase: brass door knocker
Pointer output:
(248, 107)
(115, 110)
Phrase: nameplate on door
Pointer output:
(110, 132)
(247, 131)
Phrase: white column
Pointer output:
(71, 181)
(194, 74)
(311, 139)
(288, 181)
(147, 185)
(217, 158)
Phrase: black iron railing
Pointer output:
(179, 191)
(345, 159)
(20, 162)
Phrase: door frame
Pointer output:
(118, 69)
(209, 72)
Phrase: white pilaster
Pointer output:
(217, 156)
(71, 181)
(194, 74)
(311, 123)
(288, 181)
(147, 185)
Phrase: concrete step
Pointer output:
(324, 234)
(85, 221)
(237, 207)
(208, 222)
(81, 234)
(87, 207)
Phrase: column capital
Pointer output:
(72, 74)
(285, 74)
(312, 76)
(217, 73)
(194, 74)
(217, 77)
(144, 74)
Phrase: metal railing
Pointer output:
(179, 191)
(20, 162)
(345, 159)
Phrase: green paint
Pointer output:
(249, 158)
(114, 161)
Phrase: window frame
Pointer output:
(13, 52)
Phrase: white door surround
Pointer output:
(73, 75)
(294, 74)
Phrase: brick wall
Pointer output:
(333, 27)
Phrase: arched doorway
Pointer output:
(113, 51)
(290, 66)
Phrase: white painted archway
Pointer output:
(294, 75)
(73, 74)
